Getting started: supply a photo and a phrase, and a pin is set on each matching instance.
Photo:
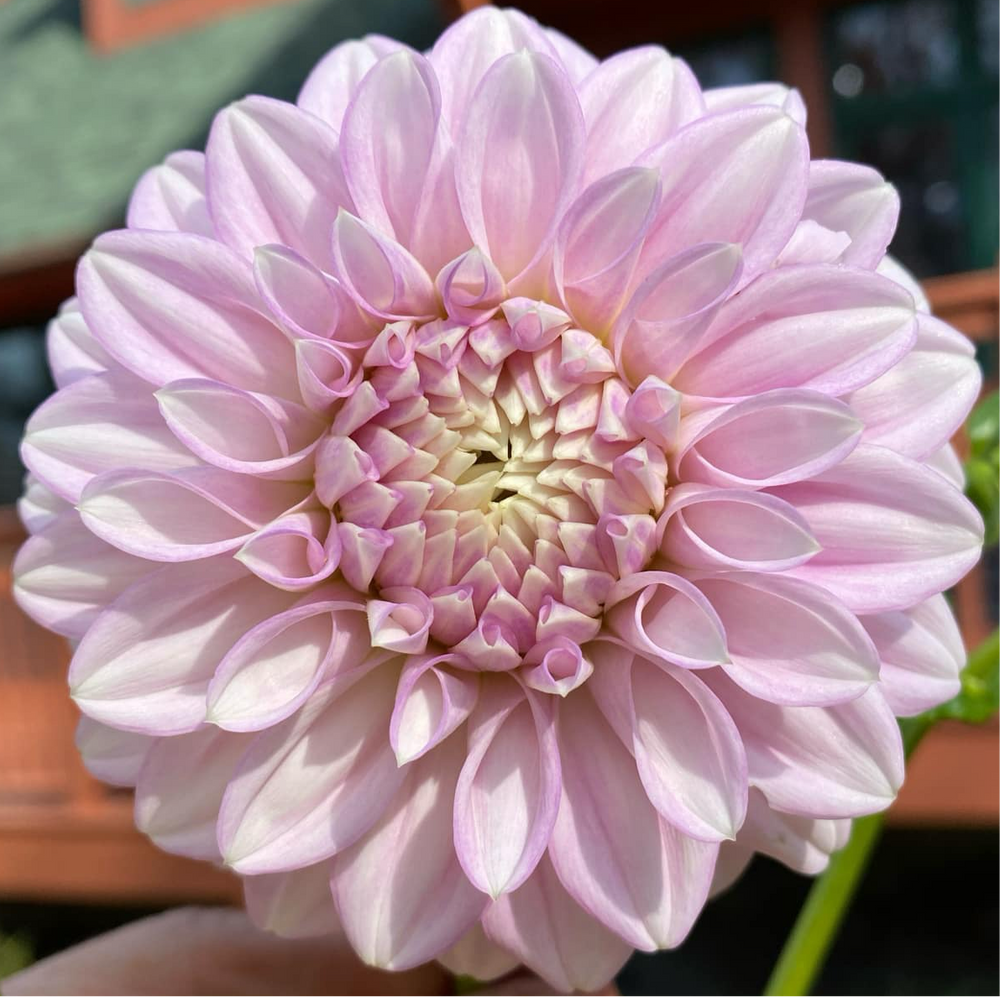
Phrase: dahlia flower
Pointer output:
(494, 496)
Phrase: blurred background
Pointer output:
(92, 92)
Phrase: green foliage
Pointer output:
(15, 954)
(979, 697)
(982, 469)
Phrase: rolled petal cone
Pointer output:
(498, 494)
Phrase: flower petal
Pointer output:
(476, 956)
(179, 817)
(168, 305)
(100, 423)
(315, 783)
(665, 319)
(331, 84)
(632, 101)
(519, 159)
(922, 654)
(790, 642)
(918, 405)
(687, 749)
(736, 176)
(72, 350)
(277, 665)
(401, 892)
(171, 197)
(615, 855)
(833, 761)
(181, 517)
(64, 576)
(274, 176)
(828, 328)
(768, 94)
(598, 244)
(770, 439)
(296, 904)
(111, 755)
(553, 935)
(388, 140)
(893, 532)
(508, 790)
(847, 197)
(237, 430)
(431, 702)
(706, 527)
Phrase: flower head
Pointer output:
(498, 494)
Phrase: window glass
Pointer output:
(730, 62)
(891, 46)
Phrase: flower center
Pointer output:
(498, 478)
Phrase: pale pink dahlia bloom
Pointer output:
(495, 496)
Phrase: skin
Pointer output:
(206, 950)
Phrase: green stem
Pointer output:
(816, 927)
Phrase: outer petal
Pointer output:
(466, 52)
(388, 140)
(916, 407)
(171, 197)
(576, 60)
(100, 423)
(790, 642)
(71, 348)
(38, 507)
(719, 528)
(548, 930)
(168, 305)
(847, 197)
(274, 177)
(687, 749)
(146, 662)
(893, 532)
(801, 843)
(400, 891)
(315, 783)
(330, 86)
(834, 761)
(922, 654)
(297, 904)
(475, 955)
(178, 816)
(773, 438)
(64, 575)
(768, 94)
(519, 159)
(891, 267)
(823, 327)
(275, 666)
(621, 861)
(294, 552)
(634, 100)
(751, 193)
(508, 791)
(111, 755)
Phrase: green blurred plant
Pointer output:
(16, 953)
(815, 929)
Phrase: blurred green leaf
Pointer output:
(984, 426)
(982, 485)
(979, 697)
(16, 953)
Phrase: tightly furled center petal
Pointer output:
(497, 495)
